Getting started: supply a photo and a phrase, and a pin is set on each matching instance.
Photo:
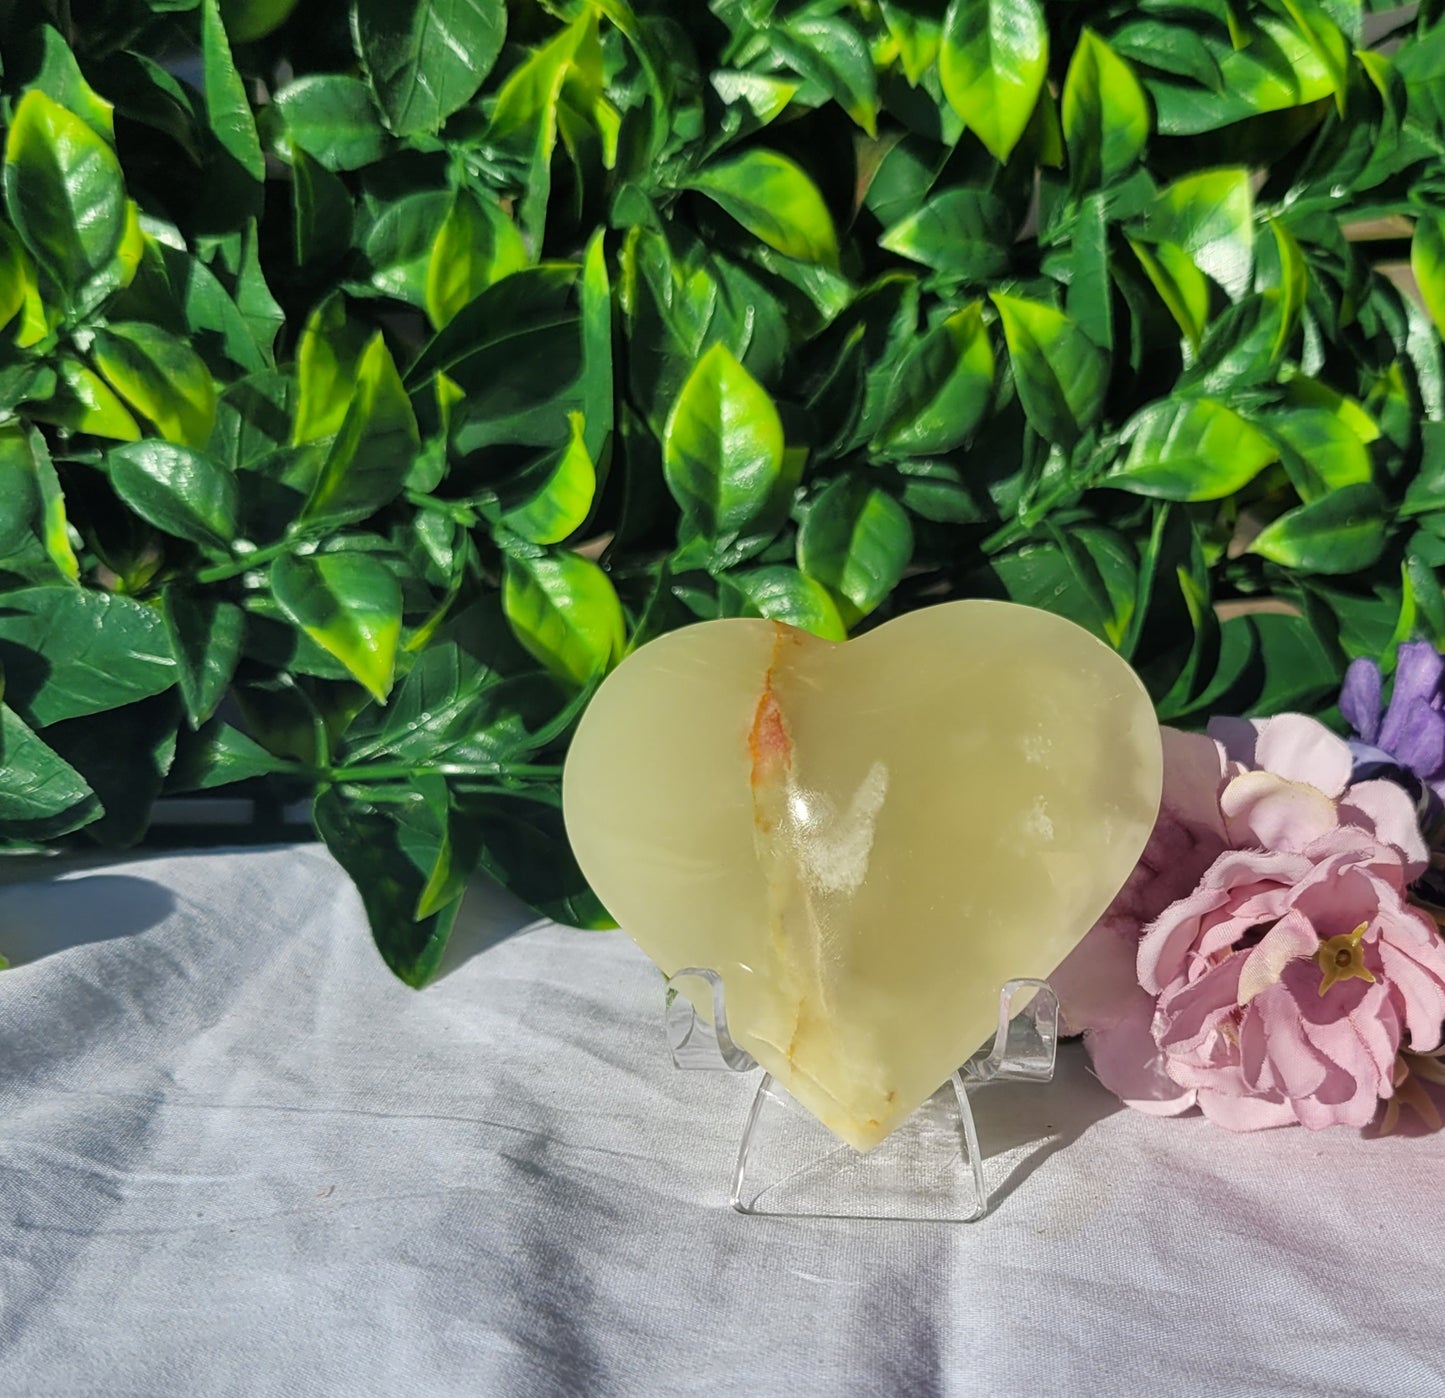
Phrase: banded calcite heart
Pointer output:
(865, 839)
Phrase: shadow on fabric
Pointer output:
(47, 915)
(1020, 1125)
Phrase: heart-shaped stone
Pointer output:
(865, 840)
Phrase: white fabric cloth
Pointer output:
(238, 1158)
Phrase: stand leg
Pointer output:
(930, 1168)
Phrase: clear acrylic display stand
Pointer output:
(930, 1168)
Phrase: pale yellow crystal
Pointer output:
(865, 840)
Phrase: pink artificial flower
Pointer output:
(1263, 962)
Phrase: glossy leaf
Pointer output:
(564, 498)
(1105, 113)
(32, 505)
(943, 389)
(1427, 262)
(350, 605)
(333, 118)
(856, 540)
(64, 192)
(1191, 449)
(327, 356)
(1342, 532)
(565, 612)
(992, 63)
(390, 868)
(722, 447)
(368, 462)
(161, 377)
(1210, 216)
(425, 58)
(41, 795)
(773, 199)
(206, 633)
(85, 403)
(180, 491)
(476, 245)
(785, 594)
(1182, 287)
(962, 232)
(227, 107)
(68, 651)
(1059, 372)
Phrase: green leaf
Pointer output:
(476, 245)
(597, 367)
(1343, 532)
(1427, 261)
(59, 76)
(246, 20)
(856, 541)
(31, 502)
(1294, 283)
(218, 755)
(1210, 216)
(333, 118)
(830, 52)
(1191, 449)
(775, 201)
(398, 245)
(565, 612)
(1061, 375)
(1320, 451)
(178, 490)
(425, 58)
(943, 389)
(784, 594)
(124, 755)
(963, 233)
(41, 795)
(374, 449)
(722, 447)
(564, 498)
(227, 107)
(1105, 114)
(350, 605)
(327, 356)
(992, 65)
(64, 192)
(323, 212)
(67, 652)
(205, 633)
(377, 844)
(917, 31)
(161, 377)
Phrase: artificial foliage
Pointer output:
(374, 377)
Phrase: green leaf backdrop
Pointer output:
(373, 377)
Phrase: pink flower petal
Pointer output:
(1096, 983)
(1193, 777)
(1299, 1067)
(1191, 1014)
(1165, 944)
(1384, 809)
(1239, 737)
(1419, 992)
(1272, 813)
(1302, 749)
(1128, 1062)
(1291, 937)
(1245, 1113)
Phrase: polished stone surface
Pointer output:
(865, 840)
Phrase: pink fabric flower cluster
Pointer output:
(1263, 962)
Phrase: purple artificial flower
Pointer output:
(1407, 741)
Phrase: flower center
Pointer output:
(1342, 958)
